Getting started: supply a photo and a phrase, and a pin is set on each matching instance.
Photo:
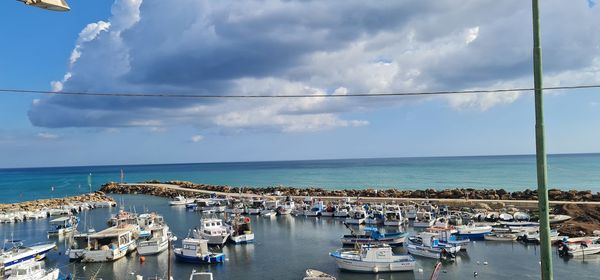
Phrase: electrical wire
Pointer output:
(213, 96)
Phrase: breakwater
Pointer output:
(53, 203)
(459, 193)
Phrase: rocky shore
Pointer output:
(459, 193)
(39, 204)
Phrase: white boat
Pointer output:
(63, 225)
(411, 212)
(110, 244)
(241, 231)
(196, 251)
(213, 230)
(441, 222)
(201, 275)
(59, 212)
(79, 244)
(393, 216)
(153, 240)
(521, 216)
(329, 211)
(534, 237)
(373, 258)
(19, 253)
(315, 210)
(268, 213)
(256, 206)
(473, 232)
(287, 207)
(426, 244)
(357, 216)
(554, 219)
(33, 270)
(579, 249)
(500, 237)
(423, 220)
(180, 200)
(374, 218)
(342, 211)
(312, 274)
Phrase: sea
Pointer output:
(512, 173)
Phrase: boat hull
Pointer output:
(242, 239)
(374, 267)
(152, 247)
(212, 258)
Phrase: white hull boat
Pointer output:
(312, 274)
(500, 237)
(33, 270)
(373, 259)
(19, 254)
(213, 230)
(110, 244)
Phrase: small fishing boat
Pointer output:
(201, 275)
(373, 258)
(555, 219)
(376, 217)
(393, 216)
(473, 232)
(196, 251)
(79, 244)
(153, 239)
(18, 253)
(500, 237)
(312, 274)
(180, 200)
(374, 236)
(213, 230)
(423, 220)
(357, 216)
(256, 206)
(342, 212)
(63, 225)
(31, 270)
(426, 244)
(268, 213)
(110, 244)
(241, 232)
(521, 216)
(329, 211)
(534, 237)
(315, 210)
(287, 207)
(578, 249)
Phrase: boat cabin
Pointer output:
(195, 247)
(110, 239)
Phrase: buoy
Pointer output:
(485, 263)
(142, 259)
(474, 273)
(420, 270)
(477, 262)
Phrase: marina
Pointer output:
(308, 241)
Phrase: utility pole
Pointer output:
(540, 151)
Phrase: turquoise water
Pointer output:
(574, 171)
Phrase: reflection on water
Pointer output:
(286, 246)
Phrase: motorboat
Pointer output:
(555, 219)
(329, 211)
(578, 249)
(195, 275)
(423, 220)
(110, 244)
(357, 216)
(342, 211)
(374, 236)
(79, 243)
(313, 274)
(373, 258)
(473, 232)
(241, 231)
(427, 244)
(213, 230)
(268, 213)
(180, 200)
(287, 207)
(256, 206)
(19, 253)
(30, 270)
(315, 210)
(393, 216)
(63, 225)
(500, 237)
(154, 239)
(196, 251)
(376, 217)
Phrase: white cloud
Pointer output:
(47, 136)
(197, 138)
(309, 47)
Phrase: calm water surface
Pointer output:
(286, 246)
(578, 171)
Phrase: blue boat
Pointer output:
(196, 251)
(473, 232)
(19, 253)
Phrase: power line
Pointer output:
(179, 95)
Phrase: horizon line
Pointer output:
(290, 160)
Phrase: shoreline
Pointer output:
(54, 203)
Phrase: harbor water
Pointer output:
(285, 247)
(575, 171)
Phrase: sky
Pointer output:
(291, 47)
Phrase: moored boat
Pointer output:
(196, 251)
(374, 236)
(110, 244)
(241, 231)
(19, 253)
(373, 258)
(357, 216)
(427, 245)
(313, 274)
(180, 200)
(32, 270)
(500, 237)
(473, 232)
(213, 230)
(63, 225)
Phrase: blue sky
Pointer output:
(289, 47)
